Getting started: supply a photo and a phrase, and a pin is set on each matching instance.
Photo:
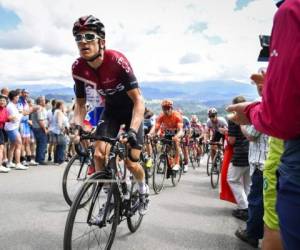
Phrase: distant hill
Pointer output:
(208, 93)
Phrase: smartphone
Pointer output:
(265, 44)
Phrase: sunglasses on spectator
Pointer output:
(212, 116)
(166, 108)
(88, 37)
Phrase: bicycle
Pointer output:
(195, 157)
(108, 202)
(163, 168)
(76, 172)
(216, 165)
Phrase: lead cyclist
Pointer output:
(110, 74)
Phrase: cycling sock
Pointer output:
(142, 187)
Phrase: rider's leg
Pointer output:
(100, 154)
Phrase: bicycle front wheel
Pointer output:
(74, 175)
(215, 171)
(89, 227)
(159, 174)
(209, 164)
(176, 175)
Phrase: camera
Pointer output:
(264, 53)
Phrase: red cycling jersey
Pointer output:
(111, 80)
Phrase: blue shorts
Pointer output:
(25, 129)
(288, 195)
(13, 135)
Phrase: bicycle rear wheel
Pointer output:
(85, 228)
(159, 174)
(74, 175)
(134, 218)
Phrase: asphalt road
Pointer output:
(190, 216)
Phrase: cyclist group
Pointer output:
(105, 79)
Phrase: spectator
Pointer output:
(257, 156)
(40, 130)
(25, 128)
(51, 135)
(59, 122)
(238, 176)
(12, 129)
(278, 115)
(32, 139)
(5, 92)
(3, 120)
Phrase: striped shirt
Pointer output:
(240, 147)
(257, 149)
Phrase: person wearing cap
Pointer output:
(25, 128)
(258, 145)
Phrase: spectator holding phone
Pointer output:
(278, 115)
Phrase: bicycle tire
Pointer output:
(176, 175)
(134, 199)
(76, 207)
(215, 171)
(208, 164)
(157, 187)
(66, 190)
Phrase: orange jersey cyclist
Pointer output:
(170, 124)
(111, 75)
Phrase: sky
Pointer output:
(164, 40)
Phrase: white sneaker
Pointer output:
(176, 167)
(33, 163)
(185, 168)
(25, 163)
(10, 165)
(21, 167)
(4, 169)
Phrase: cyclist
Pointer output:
(149, 121)
(196, 133)
(170, 124)
(185, 146)
(109, 73)
(216, 129)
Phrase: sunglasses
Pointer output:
(88, 37)
(166, 108)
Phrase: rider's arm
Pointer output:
(250, 132)
(138, 108)
(179, 128)
(80, 107)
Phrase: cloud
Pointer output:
(240, 4)
(197, 27)
(179, 40)
(190, 58)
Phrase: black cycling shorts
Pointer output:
(2, 137)
(109, 126)
(217, 136)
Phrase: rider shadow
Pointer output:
(191, 238)
(197, 210)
